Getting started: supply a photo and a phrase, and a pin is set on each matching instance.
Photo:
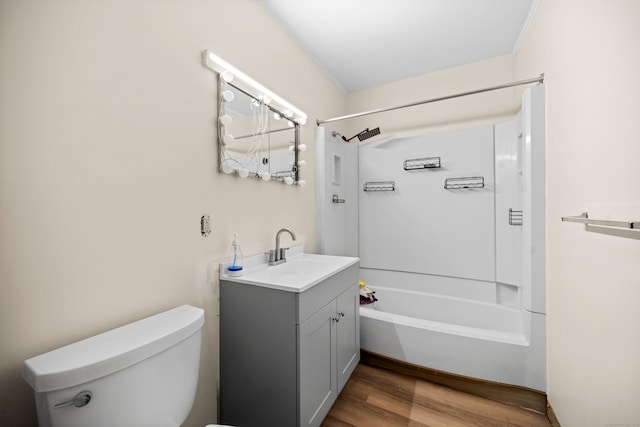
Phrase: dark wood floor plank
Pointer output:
(332, 421)
(518, 396)
(377, 397)
(424, 415)
(465, 406)
(361, 414)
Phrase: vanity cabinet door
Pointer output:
(318, 389)
(348, 334)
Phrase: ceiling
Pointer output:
(364, 43)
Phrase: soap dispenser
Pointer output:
(235, 258)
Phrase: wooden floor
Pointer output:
(378, 397)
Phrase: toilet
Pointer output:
(143, 374)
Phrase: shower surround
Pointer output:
(451, 238)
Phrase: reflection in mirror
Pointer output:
(255, 139)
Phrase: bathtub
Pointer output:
(472, 338)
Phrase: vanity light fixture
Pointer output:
(225, 120)
(245, 83)
(226, 168)
(227, 76)
(227, 96)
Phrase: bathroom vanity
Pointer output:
(289, 339)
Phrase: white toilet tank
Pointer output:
(143, 374)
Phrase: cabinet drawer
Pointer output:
(318, 296)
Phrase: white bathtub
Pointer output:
(476, 339)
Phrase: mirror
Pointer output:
(255, 139)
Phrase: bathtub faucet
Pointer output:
(277, 256)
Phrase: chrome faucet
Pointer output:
(277, 256)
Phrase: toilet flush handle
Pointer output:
(82, 399)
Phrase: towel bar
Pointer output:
(584, 219)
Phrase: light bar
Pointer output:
(243, 82)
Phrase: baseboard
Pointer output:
(513, 395)
(552, 416)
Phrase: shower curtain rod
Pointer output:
(539, 80)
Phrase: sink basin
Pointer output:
(299, 267)
(299, 273)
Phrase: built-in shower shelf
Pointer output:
(464, 182)
(515, 217)
(423, 163)
(380, 186)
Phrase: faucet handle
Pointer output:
(281, 255)
(271, 255)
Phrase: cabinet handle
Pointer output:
(338, 316)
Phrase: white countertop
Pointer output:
(299, 273)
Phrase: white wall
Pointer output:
(336, 175)
(421, 227)
(589, 53)
(108, 159)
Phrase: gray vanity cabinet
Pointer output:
(285, 356)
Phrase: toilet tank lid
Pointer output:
(111, 351)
